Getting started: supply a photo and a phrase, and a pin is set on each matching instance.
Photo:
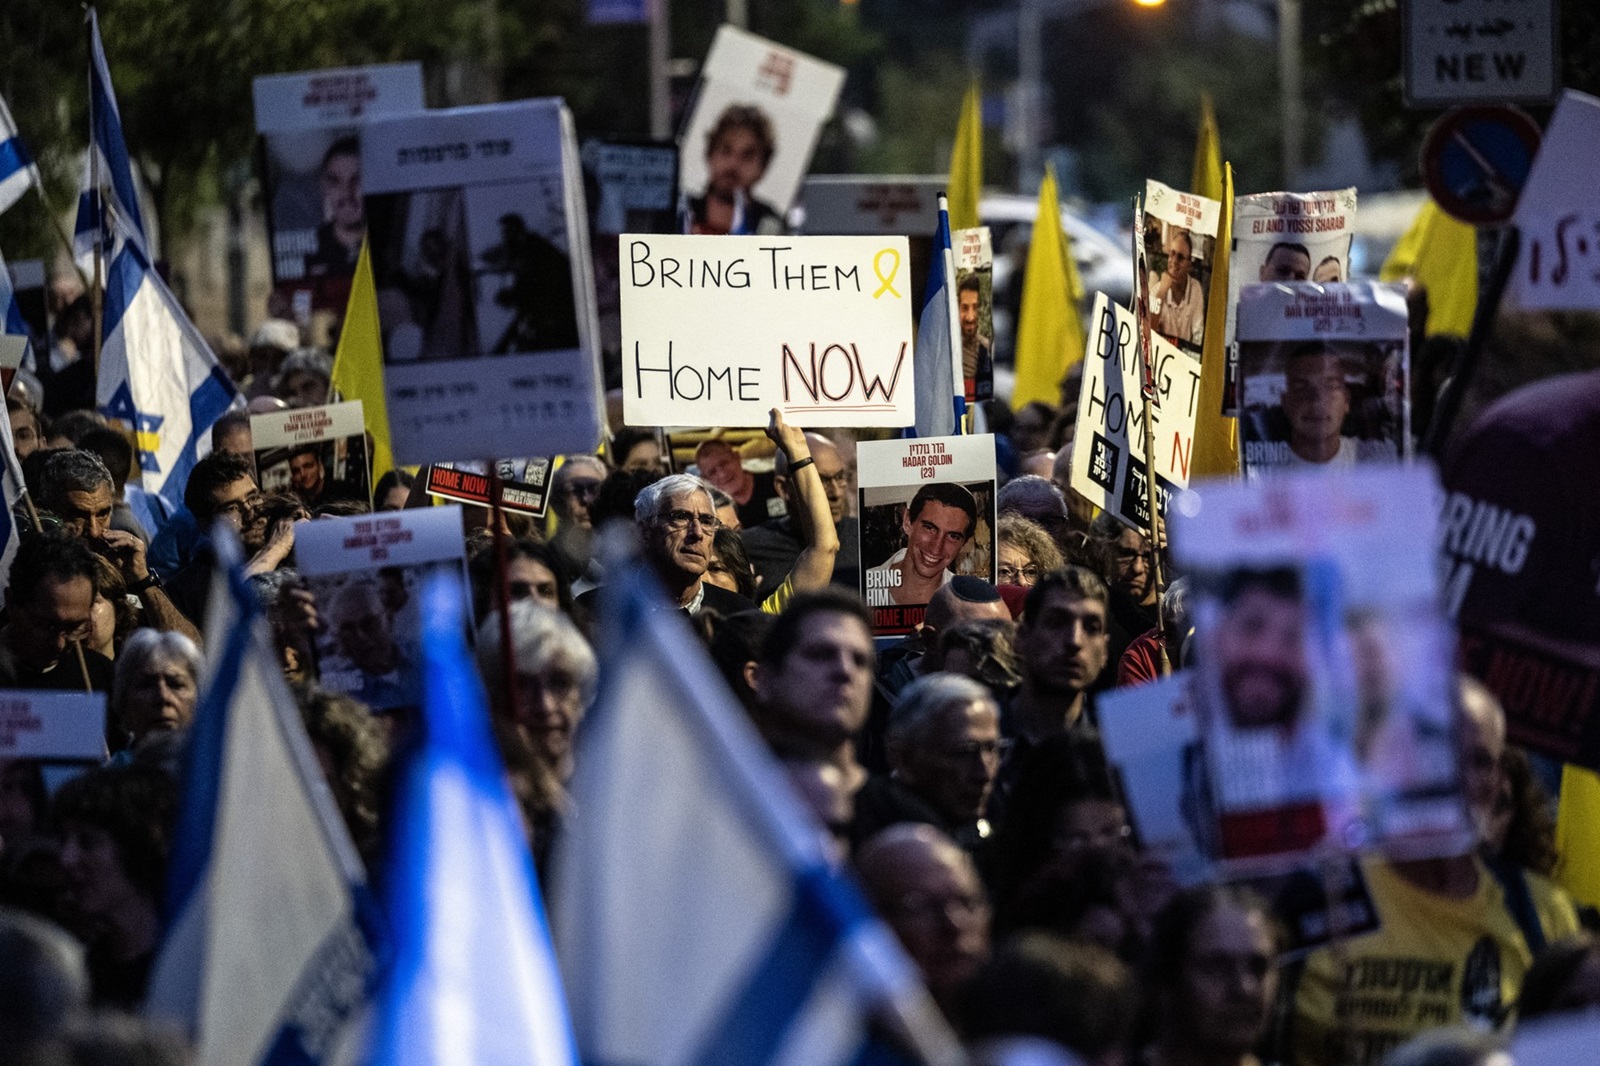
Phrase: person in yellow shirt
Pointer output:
(1448, 950)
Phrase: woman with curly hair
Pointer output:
(353, 748)
(1026, 551)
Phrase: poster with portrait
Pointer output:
(974, 255)
(1151, 738)
(310, 158)
(1324, 375)
(367, 573)
(758, 111)
(1179, 234)
(480, 255)
(1285, 237)
(317, 453)
(524, 483)
(927, 511)
(1325, 689)
(629, 187)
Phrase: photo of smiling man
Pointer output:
(917, 535)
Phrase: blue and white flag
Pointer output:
(269, 949)
(474, 979)
(12, 489)
(16, 339)
(157, 375)
(108, 205)
(941, 389)
(697, 916)
(18, 172)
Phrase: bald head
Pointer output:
(928, 890)
(830, 467)
(960, 599)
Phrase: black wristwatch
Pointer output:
(152, 580)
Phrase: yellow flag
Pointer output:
(1216, 438)
(358, 364)
(1577, 829)
(1049, 331)
(966, 164)
(1442, 254)
(1207, 178)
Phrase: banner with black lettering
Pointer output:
(927, 511)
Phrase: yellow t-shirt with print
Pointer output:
(1433, 961)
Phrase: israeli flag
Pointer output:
(16, 339)
(108, 205)
(269, 950)
(698, 917)
(12, 489)
(18, 172)
(158, 375)
(941, 389)
(474, 980)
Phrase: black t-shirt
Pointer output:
(64, 676)
(764, 503)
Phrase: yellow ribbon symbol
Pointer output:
(888, 282)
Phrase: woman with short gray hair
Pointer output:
(156, 686)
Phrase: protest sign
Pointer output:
(367, 574)
(311, 167)
(1559, 1039)
(748, 143)
(927, 514)
(1285, 236)
(1325, 691)
(633, 188)
(870, 204)
(13, 349)
(1479, 51)
(1108, 449)
(1180, 236)
(975, 301)
(480, 254)
(1558, 261)
(718, 331)
(524, 483)
(66, 726)
(1324, 375)
(318, 453)
(1152, 739)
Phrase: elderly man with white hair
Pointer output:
(944, 749)
(677, 519)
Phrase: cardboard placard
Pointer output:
(871, 204)
(1324, 375)
(53, 725)
(757, 116)
(1325, 691)
(1558, 262)
(367, 574)
(718, 331)
(974, 255)
(1108, 459)
(927, 511)
(1180, 237)
(480, 253)
(311, 161)
(1280, 237)
(318, 453)
(524, 484)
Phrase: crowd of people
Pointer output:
(959, 772)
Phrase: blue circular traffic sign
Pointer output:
(1475, 161)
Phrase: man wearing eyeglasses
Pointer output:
(676, 521)
(48, 605)
(1177, 302)
(77, 489)
(774, 546)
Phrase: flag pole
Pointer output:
(60, 232)
(97, 290)
(1147, 395)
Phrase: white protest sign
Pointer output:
(1180, 237)
(757, 116)
(1558, 263)
(1324, 372)
(1108, 459)
(879, 203)
(319, 453)
(1285, 236)
(717, 331)
(339, 96)
(480, 255)
(1480, 52)
(53, 725)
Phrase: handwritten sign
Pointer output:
(716, 331)
(1108, 456)
(53, 725)
(1558, 263)
(1480, 51)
